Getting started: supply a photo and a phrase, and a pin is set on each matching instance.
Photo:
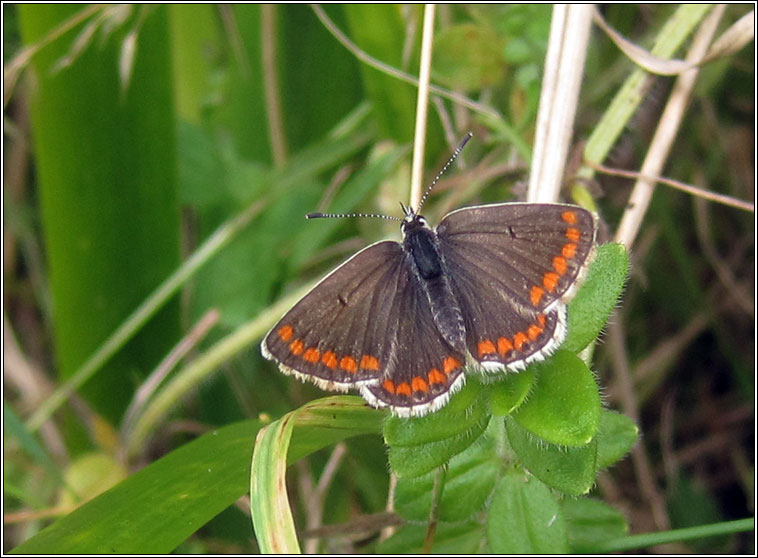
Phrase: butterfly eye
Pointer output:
(414, 223)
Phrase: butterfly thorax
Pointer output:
(421, 246)
(421, 243)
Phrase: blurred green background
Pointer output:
(132, 133)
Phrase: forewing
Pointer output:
(369, 325)
(341, 333)
(512, 267)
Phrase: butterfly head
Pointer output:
(412, 221)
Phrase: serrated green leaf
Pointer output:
(570, 470)
(508, 394)
(465, 409)
(524, 518)
(615, 437)
(589, 521)
(589, 309)
(468, 482)
(564, 406)
(448, 539)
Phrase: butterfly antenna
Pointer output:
(455, 154)
(319, 215)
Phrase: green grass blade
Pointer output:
(158, 507)
(143, 313)
(645, 540)
(269, 505)
(620, 111)
(105, 160)
(315, 425)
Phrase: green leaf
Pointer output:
(329, 420)
(468, 56)
(507, 395)
(615, 437)
(691, 505)
(589, 521)
(524, 518)
(413, 461)
(241, 107)
(90, 475)
(625, 103)
(380, 30)
(14, 429)
(318, 82)
(265, 247)
(589, 310)
(269, 504)
(107, 183)
(464, 410)
(464, 539)
(419, 445)
(297, 434)
(564, 407)
(570, 470)
(158, 507)
(468, 483)
(193, 28)
(361, 184)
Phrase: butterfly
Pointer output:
(400, 321)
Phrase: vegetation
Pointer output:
(158, 164)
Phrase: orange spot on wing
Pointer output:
(485, 347)
(419, 384)
(312, 355)
(560, 265)
(369, 362)
(550, 280)
(504, 346)
(285, 333)
(569, 217)
(403, 389)
(348, 364)
(541, 320)
(296, 347)
(569, 250)
(389, 386)
(519, 340)
(329, 359)
(449, 364)
(534, 331)
(436, 377)
(536, 294)
(573, 234)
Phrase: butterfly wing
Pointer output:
(424, 369)
(511, 267)
(366, 325)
